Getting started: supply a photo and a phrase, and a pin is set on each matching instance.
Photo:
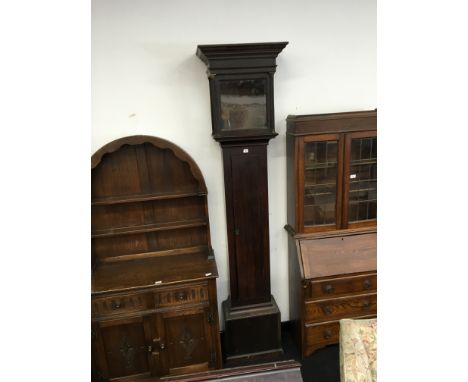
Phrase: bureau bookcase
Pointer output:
(153, 293)
(332, 219)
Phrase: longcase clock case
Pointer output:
(242, 113)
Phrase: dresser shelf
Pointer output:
(145, 198)
(153, 284)
(153, 271)
(119, 231)
(169, 252)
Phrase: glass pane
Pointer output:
(320, 172)
(363, 180)
(243, 104)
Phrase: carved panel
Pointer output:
(188, 343)
(186, 340)
(119, 304)
(125, 349)
(177, 296)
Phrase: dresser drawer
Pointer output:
(341, 307)
(182, 295)
(341, 286)
(122, 303)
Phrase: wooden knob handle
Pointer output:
(181, 296)
(367, 284)
(365, 304)
(327, 334)
(327, 309)
(116, 305)
(329, 288)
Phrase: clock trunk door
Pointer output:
(247, 219)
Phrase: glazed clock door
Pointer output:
(121, 348)
(186, 341)
(360, 174)
(322, 182)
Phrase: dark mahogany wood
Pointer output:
(242, 114)
(322, 255)
(298, 125)
(332, 275)
(340, 127)
(332, 265)
(154, 305)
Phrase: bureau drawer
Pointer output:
(341, 286)
(341, 307)
(319, 335)
(329, 332)
(117, 304)
(182, 295)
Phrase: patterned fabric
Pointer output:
(358, 350)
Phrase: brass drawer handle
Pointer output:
(327, 334)
(116, 305)
(329, 288)
(181, 296)
(367, 284)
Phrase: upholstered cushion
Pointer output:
(358, 350)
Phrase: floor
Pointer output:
(321, 366)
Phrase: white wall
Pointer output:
(146, 79)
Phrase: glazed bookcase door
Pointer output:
(360, 174)
(322, 157)
(122, 349)
(186, 341)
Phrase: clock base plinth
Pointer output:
(253, 330)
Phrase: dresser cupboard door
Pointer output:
(186, 343)
(121, 348)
